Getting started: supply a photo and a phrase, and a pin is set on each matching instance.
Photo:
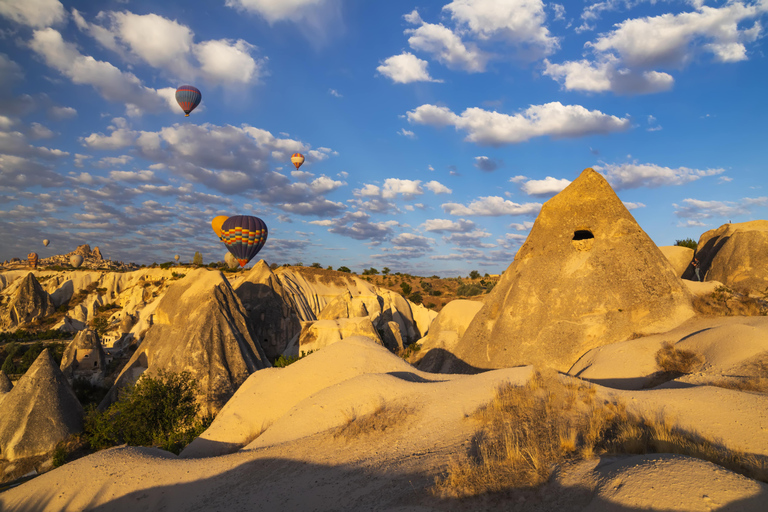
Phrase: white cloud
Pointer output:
(491, 206)
(492, 128)
(517, 21)
(724, 179)
(38, 131)
(405, 68)
(62, 113)
(633, 206)
(448, 226)
(413, 241)
(437, 188)
(137, 176)
(407, 133)
(698, 209)
(276, 10)
(521, 226)
(406, 188)
(120, 137)
(546, 187)
(607, 75)
(625, 176)
(447, 48)
(518, 179)
(487, 164)
(33, 13)
(226, 61)
(334, 92)
(113, 84)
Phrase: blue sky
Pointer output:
(433, 131)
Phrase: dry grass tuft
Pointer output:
(528, 431)
(754, 376)
(385, 416)
(676, 361)
(726, 302)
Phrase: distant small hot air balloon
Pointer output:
(188, 98)
(216, 224)
(46, 242)
(297, 159)
(76, 260)
(244, 236)
(176, 258)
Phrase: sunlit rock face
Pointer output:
(38, 412)
(735, 255)
(30, 302)
(201, 327)
(84, 359)
(586, 276)
(679, 257)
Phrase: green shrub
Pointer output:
(406, 288)
(474, 274)
(197, 259)
(344, 269)
(469, 290)
(687, 242)
(415, 297)
(370, 272)
(282, 361)
(316, 265)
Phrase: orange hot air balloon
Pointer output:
(216, 224)
(297, 159)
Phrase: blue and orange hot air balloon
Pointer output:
(244, 237)
(188, 98)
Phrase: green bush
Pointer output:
(316, 265)
(344, 269)
(370, 271)
(687, 242)
(197, 259)
(282, 361)
(406, 288)
(158, 411)
(469, 290)
(415, 297)
(474, 274)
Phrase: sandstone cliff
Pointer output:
(29, 302)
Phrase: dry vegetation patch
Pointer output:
(676, 361)
(754, 376)
(527, 431)
(386, 416)
(726, 302)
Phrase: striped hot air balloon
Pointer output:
(188, 98)
(244, 237)
(297, 159)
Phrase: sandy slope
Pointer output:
(298, 464)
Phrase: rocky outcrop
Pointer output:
(586, 276)
(199, 326)
(29, 302)
(5, 383)
(38, 412)
(322, 333)
(437, 347)
(84, 358)
(736, 255)
(679, 257)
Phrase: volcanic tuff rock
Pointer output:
(29, 302)
(5, 383)
(679, 257)
(444, 334)
(322, 333)
(199, 326)
(84, 358)
(586, 276)
(736, 255)
(38, 412)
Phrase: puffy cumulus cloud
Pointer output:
(405, 188)
(169, 46)
(145, 176)
(674, 39)
(33, 13)
(448, 226)
(517, 21)
(120, 136)
(111, 83)
(276, 10)
(491, 206)
(469, 238)
(447, 48)
(607, 75)
(19, 173)
(16, 144)
(412, 241)
(407, 133)
(38, 131)
(521, 226)
(547, 187)
(437, 188)
(358, 225)
(405, 68)
(318, 154)
(111, 161)
(517, 179)
(61, 113)
(632, 205)
(625, 176)
(493, 128)
(698, 209)
(487, 164)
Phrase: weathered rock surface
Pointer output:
(322, 333)
(736, 255)
(444, 334)
(5, 383)
(201, 327)
(30, 302)
(679, 257)
(586, 276)
(38, 412)
(84, 358)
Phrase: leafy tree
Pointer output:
(316, 265)
(415, 297)
(385, 271)
(406, 288)
(474, 274)
(274, 266)
(687, 242)
(157, 411)
(197, 259)
(344, 269)
(370, 271)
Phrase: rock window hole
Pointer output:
(583, 234)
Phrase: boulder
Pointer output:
(38, 412)
(736, 255)
(319, 334)
(28, 303)
(679, 257)
(199, 326)
(84, 358)
(586, 276)
(444, 334)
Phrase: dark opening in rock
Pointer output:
(582, 234)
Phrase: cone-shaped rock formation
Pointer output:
(38, 412)
(84, 358)
(586, 276)
(30, 302)
(199, 326)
